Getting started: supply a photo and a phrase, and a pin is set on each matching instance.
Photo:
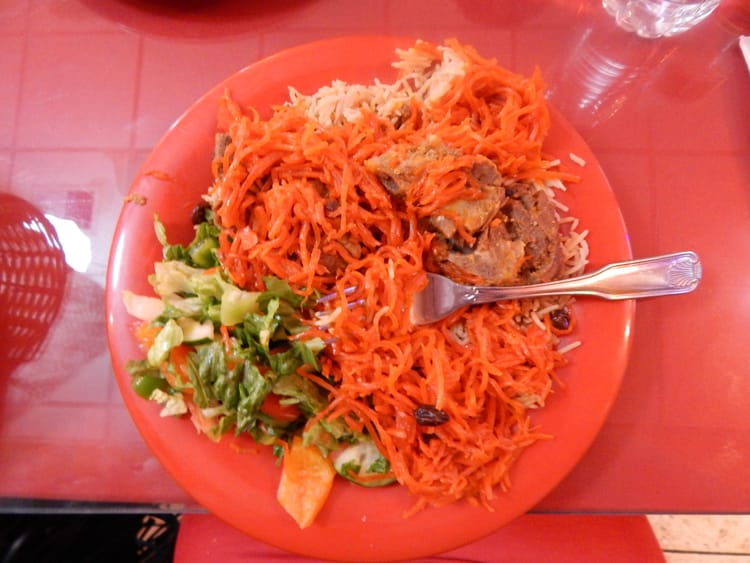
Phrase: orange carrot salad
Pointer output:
(447, 404)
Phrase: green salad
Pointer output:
(233, 361)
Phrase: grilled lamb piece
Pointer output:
(221, 142)
(531, 218)
(514, 226)
(520, 246)
(474, 214)
(399, 171)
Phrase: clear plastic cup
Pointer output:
(659, 18)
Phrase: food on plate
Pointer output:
(306, 479)
(286, 318)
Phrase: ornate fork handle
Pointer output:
(669, 274)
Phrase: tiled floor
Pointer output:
(703, 539)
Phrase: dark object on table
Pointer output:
(88, 538)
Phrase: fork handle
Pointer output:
(668, 274)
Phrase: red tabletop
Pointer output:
(89, 86)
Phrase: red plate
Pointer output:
(356, 523)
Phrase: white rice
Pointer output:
(577, 159)
(341, 102)
(568, 347)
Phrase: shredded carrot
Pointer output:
(202, 423)
(176, 370)
(368, 478)
(245, 444)
(225, 338)
(160, 175)
(145, 333)
(296, 200)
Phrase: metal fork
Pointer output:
(668, 274)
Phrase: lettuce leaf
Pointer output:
(200, 253)
(241, 345)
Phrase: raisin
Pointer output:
(430, 415)
(332, 205)
(560, 318)
(199, 213)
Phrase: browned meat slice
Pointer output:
(400, 167)
(473, 214)
(513, 233)
(520, 246)
(485, 172)
(495, 260)
(334, 261)
(531, 218)
(221, 142)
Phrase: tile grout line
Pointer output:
(136, 94)
(692, 552)
(22, 74)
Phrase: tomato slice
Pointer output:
(176, 370)
(273, 407)
(306, 481)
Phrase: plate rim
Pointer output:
(280, 56)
